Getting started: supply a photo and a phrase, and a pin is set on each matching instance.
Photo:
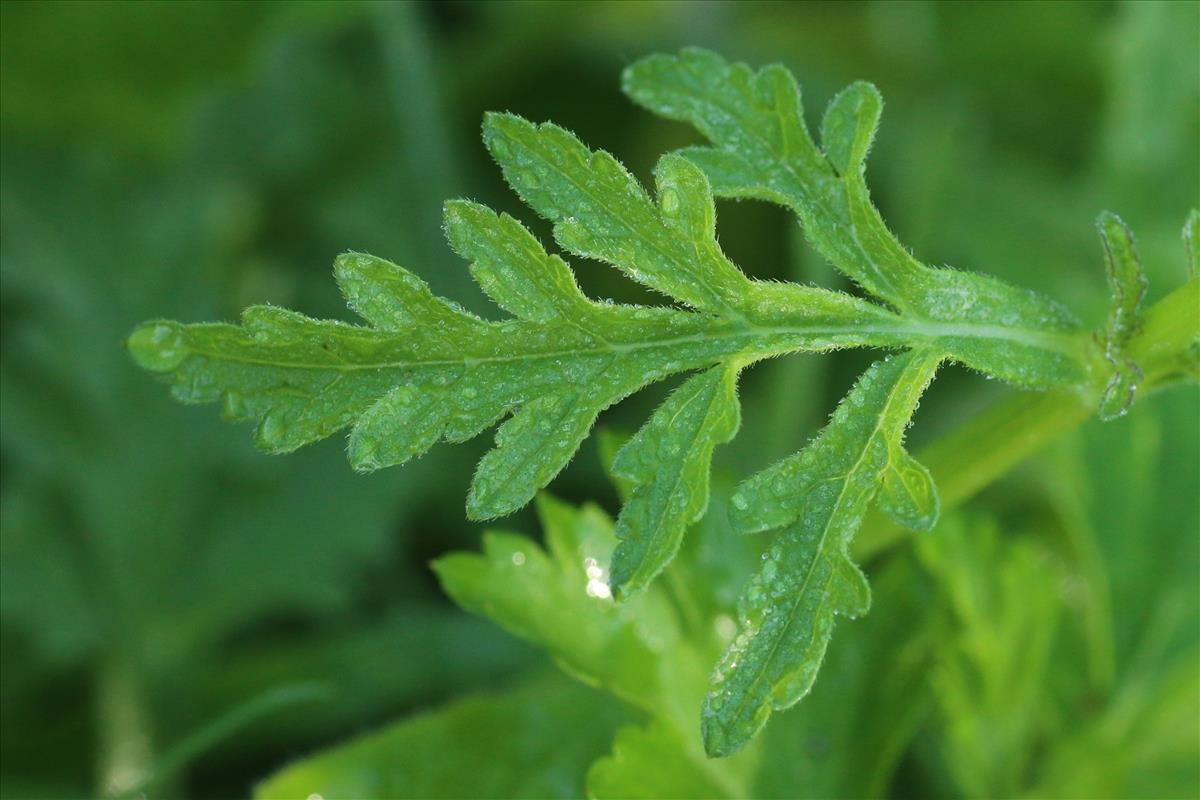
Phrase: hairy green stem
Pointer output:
(1168, 344)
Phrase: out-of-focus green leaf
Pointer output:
(376, 667)
(1122, 489)
(650, 763)
(183, 549)
(127, 73)
(651, 651)
(532, 741)
(1142, 746)
(561, 600)
(1146, 155)
(989, 680)
(1191, 243)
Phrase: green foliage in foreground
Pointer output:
(424, 369)
(983, 671)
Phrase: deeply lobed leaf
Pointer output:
(423, 369)
(427, 370)
(762, 149)
(806, 577)
(531, 741)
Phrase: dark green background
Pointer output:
(187, 159)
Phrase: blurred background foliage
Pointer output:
(186, 159)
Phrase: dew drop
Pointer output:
(235, 407)
(158, 347)
(670, 202)
(500, 147)
(272, 430)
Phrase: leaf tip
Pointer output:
(848, 128)
(461, 219)
(485, 502)
(721, 737)
(908, 494)
(634, 76)
(362, 452)
(157, 346)
(498, 128)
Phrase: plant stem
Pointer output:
(1168, 344)
(988, 445)
(126, 750)
(152, 781)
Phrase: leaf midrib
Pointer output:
(908, 333)
(679, 467)
(846, 478)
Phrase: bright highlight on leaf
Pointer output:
(422, 369)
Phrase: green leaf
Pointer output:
(1127, 282)
(639, 650)
(427, 370)
(560, 600)
(994, 664)
(224, 728)
(649, 763)
(667, 462)
(806, 577)
(404, 384)
(600, 211)
(907, 493)
(1143, 745)
(532, 741)
(424, 370)
(511, 266)
(761, 149)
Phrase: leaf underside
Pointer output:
(420, 369)
(818, 497)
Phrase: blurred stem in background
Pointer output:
(126, 751)
(424, 144)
